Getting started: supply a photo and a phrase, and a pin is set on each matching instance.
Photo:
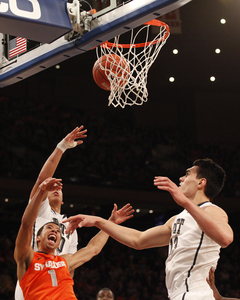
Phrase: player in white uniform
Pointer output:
(68, 243)
(195, 236)
(50, 209)
(190, 255)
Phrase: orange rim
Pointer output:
(153, 22)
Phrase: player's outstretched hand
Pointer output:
(165, 184)
(211, 279)
(77, 134)
(79, 221)
(117, 216)
(73, 139)
(121, 215)
(51, 184)
(211, 282)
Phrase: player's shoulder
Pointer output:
(215, 209)
(208, 205)
(171, 221)
(66, 257)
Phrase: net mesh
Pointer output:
(128, 74)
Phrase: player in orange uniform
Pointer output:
(42, 274)
(47, 275)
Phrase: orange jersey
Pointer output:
(47, 278)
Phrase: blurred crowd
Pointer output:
(116, 153)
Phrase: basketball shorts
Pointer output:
(196, 294)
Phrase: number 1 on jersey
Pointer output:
(53, 277)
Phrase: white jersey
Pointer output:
(68, 243)
(191, 254)
(46, 214)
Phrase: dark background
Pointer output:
(188, 119)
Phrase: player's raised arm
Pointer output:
(154, 237)
(212, 220)
(23, 252)
(71, 140)
(99, 240)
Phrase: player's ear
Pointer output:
(202, 183)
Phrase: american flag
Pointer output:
(17, 46)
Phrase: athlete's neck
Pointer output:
(45, 250)
(56, 208)
(200, 197)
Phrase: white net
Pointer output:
(126, 66)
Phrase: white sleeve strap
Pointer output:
(64, 145)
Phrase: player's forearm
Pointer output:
(51, 164)
(100, 239)
(216, 229)
(124, 235)
(32, 209)
(216, 294)
(98, 242)
(48, 168)
(85, 254)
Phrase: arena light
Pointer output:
(212, 78)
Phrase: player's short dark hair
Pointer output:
(213, 173)
(105, 289)
(41, 228)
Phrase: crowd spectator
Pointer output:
(116, 154)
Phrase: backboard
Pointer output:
(43, 21)
(109, 19)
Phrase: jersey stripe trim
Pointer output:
(53, 211)
(200, 204)
(184, 296)
(194, 262)
(34, 233)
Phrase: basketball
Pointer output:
(114, 65)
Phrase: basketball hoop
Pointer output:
(139, 58)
